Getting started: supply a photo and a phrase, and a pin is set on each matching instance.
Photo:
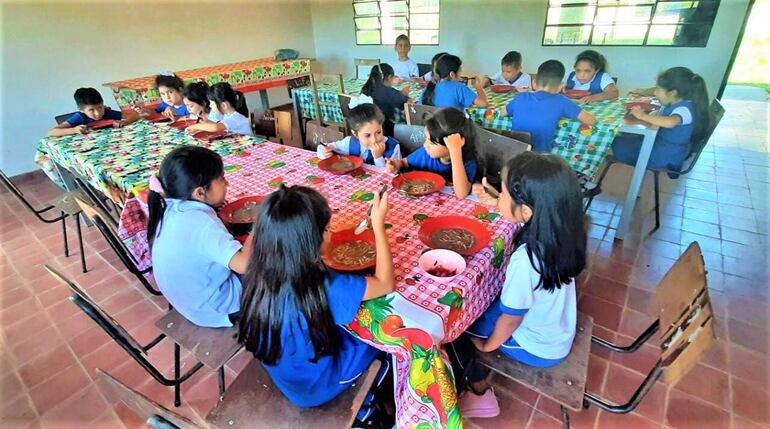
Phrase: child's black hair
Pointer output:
(197, 92)
(169, 81)
(550, 73)
(286, 265)
(448, 121)
(689, 86)
(402, 37)
(182, 170)
(379, 74)
(87, 97)
(363, 114)
(512, 59)
(222, 91)
(593, 57)
(555, 235)
(445, 65)
(434, 60)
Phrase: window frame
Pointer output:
(406, 31)
(649, 23)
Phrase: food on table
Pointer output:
(246, 214)
(417, 186)
(455, 239)
(439, 271)
(343, 164)
(354, 253)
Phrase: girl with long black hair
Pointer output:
(445, 90)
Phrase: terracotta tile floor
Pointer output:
(48, 350)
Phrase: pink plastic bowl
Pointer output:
(442, 257)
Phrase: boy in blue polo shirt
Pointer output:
(91, 108)
(539, 112)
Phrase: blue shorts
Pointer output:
(483, 328)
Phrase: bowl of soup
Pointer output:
(239, 216)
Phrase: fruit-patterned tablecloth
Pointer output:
(583, 146)
(423, 314)
(118, 161)
(240, 75)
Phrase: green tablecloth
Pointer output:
(120, 161)
(583, 146)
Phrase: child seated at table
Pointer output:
(510, 72)
(388, 99)
(429, 76)
(591, 75)
(539, 112)
(368, 140)
(294, 308)
(534, 319)
(684, 119)
(445, 90)
(449, 150)
(170, 88)
(197, 101)
(404, 67)
(90, 108)
(228, 112)
(194, 258)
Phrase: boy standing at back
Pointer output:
(539, 112)
(404, 67)
(91, 108)
(510, 72)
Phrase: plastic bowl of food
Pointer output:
(419, 183)
(461, 234)
(576, 93)
(502, 89)
(441, 264)
(339, 164)
(239, 216)
(348, 251)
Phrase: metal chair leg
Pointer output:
(178, 385)
(64, 232)
(564, 417)
(80, 243)
(221, 380)
(657, 199)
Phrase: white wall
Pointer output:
(482, 31)
(49, 49)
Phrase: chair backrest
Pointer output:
(716, 112)
(493, 152)
(364, 66)
(144, 407)
(411, 137)
(418, 114)
(95, 197)
(317, 133)
(685, 315)
(315, 80)
(61, 118)
(522, 136)
(423, 68)
(344, 101)
(297, 82)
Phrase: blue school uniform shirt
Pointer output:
(178, 110)
(420, 160)
(539, 113)
(80, 118)
(190, 261)
(389, 100)
(596, 85)
(680, 135)
(548, 326)
(352, 146)
(309, 384)
(451, 93)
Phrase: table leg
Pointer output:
(636, 183)
(263, 98)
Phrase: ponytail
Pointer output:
(445, 65)
(379, 74)
(157, 208)
(427, 95)
(240, 104)
(222, 92)
(689, 86)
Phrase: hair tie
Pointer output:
(360, 99)
(518, 195)
(156, 185)
(694, 76)
(166, 73)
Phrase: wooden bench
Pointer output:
(418, 114)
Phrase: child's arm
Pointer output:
(206, 126)
(240, 261)
(504, 327)
(462, 185)
(393, 165)
(128, 119)
(481, 96)
(661, 121)
(586, 117)
(610, 92)
(382, 283)
(340, 147)
(65, 129)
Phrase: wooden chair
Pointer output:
(64, 205)
(137, 351)
(686, 325)
(411, 137)
(522, 136)
(423, 68)
(211, 346)
(315, 80)
(109, 232)
(252, 401)
(344, 101)
(366, 65)
(494, 151)
(99, 200)
(418, 114)
(302, 118)
(317, 133)
(716, 112)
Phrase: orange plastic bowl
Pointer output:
(438, 181)
(326, 164)
(432, 225)
(345, 236)
(238, 227)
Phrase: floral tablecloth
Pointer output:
(119, 161)
(583, 146)
(142, 90)
(415, 321)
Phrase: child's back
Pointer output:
(539, 113)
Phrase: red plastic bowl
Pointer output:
(438, 181)
(576, 93)
(158, 117)
(226, 214)
(647, 107)
(432, 225)
(502, 88)
(345, 236)
(326, 164)
(183, 123)
(208, 136)
(100, 124)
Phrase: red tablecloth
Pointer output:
(411, 323)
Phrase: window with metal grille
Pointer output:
(629, 22)
(379, 22)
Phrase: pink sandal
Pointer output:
(479, 406)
